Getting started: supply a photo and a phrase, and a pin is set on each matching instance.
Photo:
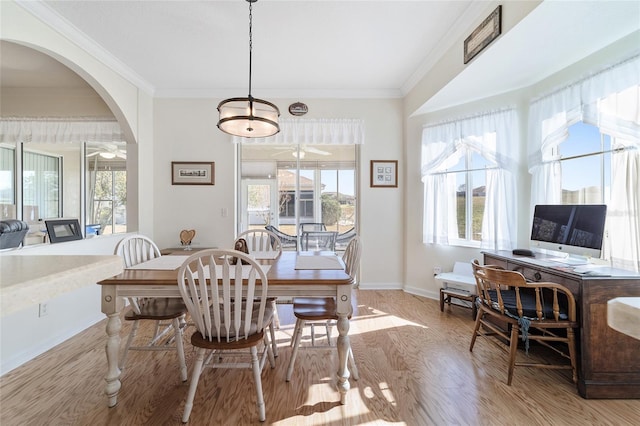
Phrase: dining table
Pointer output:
(292, 274)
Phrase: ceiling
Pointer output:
(315, 48)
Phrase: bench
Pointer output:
(459, 284)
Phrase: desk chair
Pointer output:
(313, 310)
(226, 324)
(542, 311)
(136, 249)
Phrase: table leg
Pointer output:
(111, 308)
(343, 345)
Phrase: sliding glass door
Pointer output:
(284, 186)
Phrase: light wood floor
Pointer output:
(415, 369)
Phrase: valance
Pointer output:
(59, 130)
(320, 131)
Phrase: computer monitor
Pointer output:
(576, 230)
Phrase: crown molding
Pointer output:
(51, 18)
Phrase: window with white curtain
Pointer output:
(307, 173)
(607, 102)
(468, 172)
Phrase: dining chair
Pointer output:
(318, 241)
(322, 311)
(167, 312)
(542, 312)
(307, 227)
(266, 243)
(216, 291)
(263, 241)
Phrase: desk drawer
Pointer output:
(536, 275)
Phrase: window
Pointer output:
(41, 186)
(469, 185)
(7, 182)
(320, 188)
(585, 160)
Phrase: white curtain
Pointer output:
(493, 135)
(609, 100)
(320, 131)
(59, 130)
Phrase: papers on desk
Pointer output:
(318, 262)
(168, 263)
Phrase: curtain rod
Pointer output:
(470, 117)
(635, 56)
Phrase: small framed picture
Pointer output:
(192, 173)
(61, 230)
(384, 173)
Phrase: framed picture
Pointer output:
(384, 173)
(61, 230)
(192, 173)
(484, 34)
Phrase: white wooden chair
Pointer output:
(314, 311)
(168, 313)
(267, 244)
(264, 242)
(224, 321)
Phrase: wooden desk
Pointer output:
(284, 281)
(609, 364)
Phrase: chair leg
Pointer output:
(132, 335)
(352, 365)
(255, 366)
(475, 329)
(328, 329)
(274, 343)
(180, 348)
(276, 318)
(269, 349)
(197, 370)
(513, 348)
(571, 342)
(297, 335)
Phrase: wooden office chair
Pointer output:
(136, 249)
(225, 322)
(543, 312)
(323, 310)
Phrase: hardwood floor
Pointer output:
(415, 369)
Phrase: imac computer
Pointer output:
(573, 232)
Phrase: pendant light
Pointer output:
(248, 117)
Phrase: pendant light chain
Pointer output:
(250, 43)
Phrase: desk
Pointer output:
(608, 361)
(284, 281)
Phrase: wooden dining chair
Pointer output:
(263, 241)
(168, 313)
(226, 324)
(542, 312)
(314, 311)
(269, 244)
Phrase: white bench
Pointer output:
(459, 284)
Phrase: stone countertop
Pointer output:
(623, 315)
(32, 279)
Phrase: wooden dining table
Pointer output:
(284, 280)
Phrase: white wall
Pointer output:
(185, 130)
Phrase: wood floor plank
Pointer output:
(415, 369)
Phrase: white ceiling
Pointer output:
(319, 48)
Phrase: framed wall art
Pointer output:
(192, 173)
(484, 34)
(384, 173)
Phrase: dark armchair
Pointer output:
(12, 233)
